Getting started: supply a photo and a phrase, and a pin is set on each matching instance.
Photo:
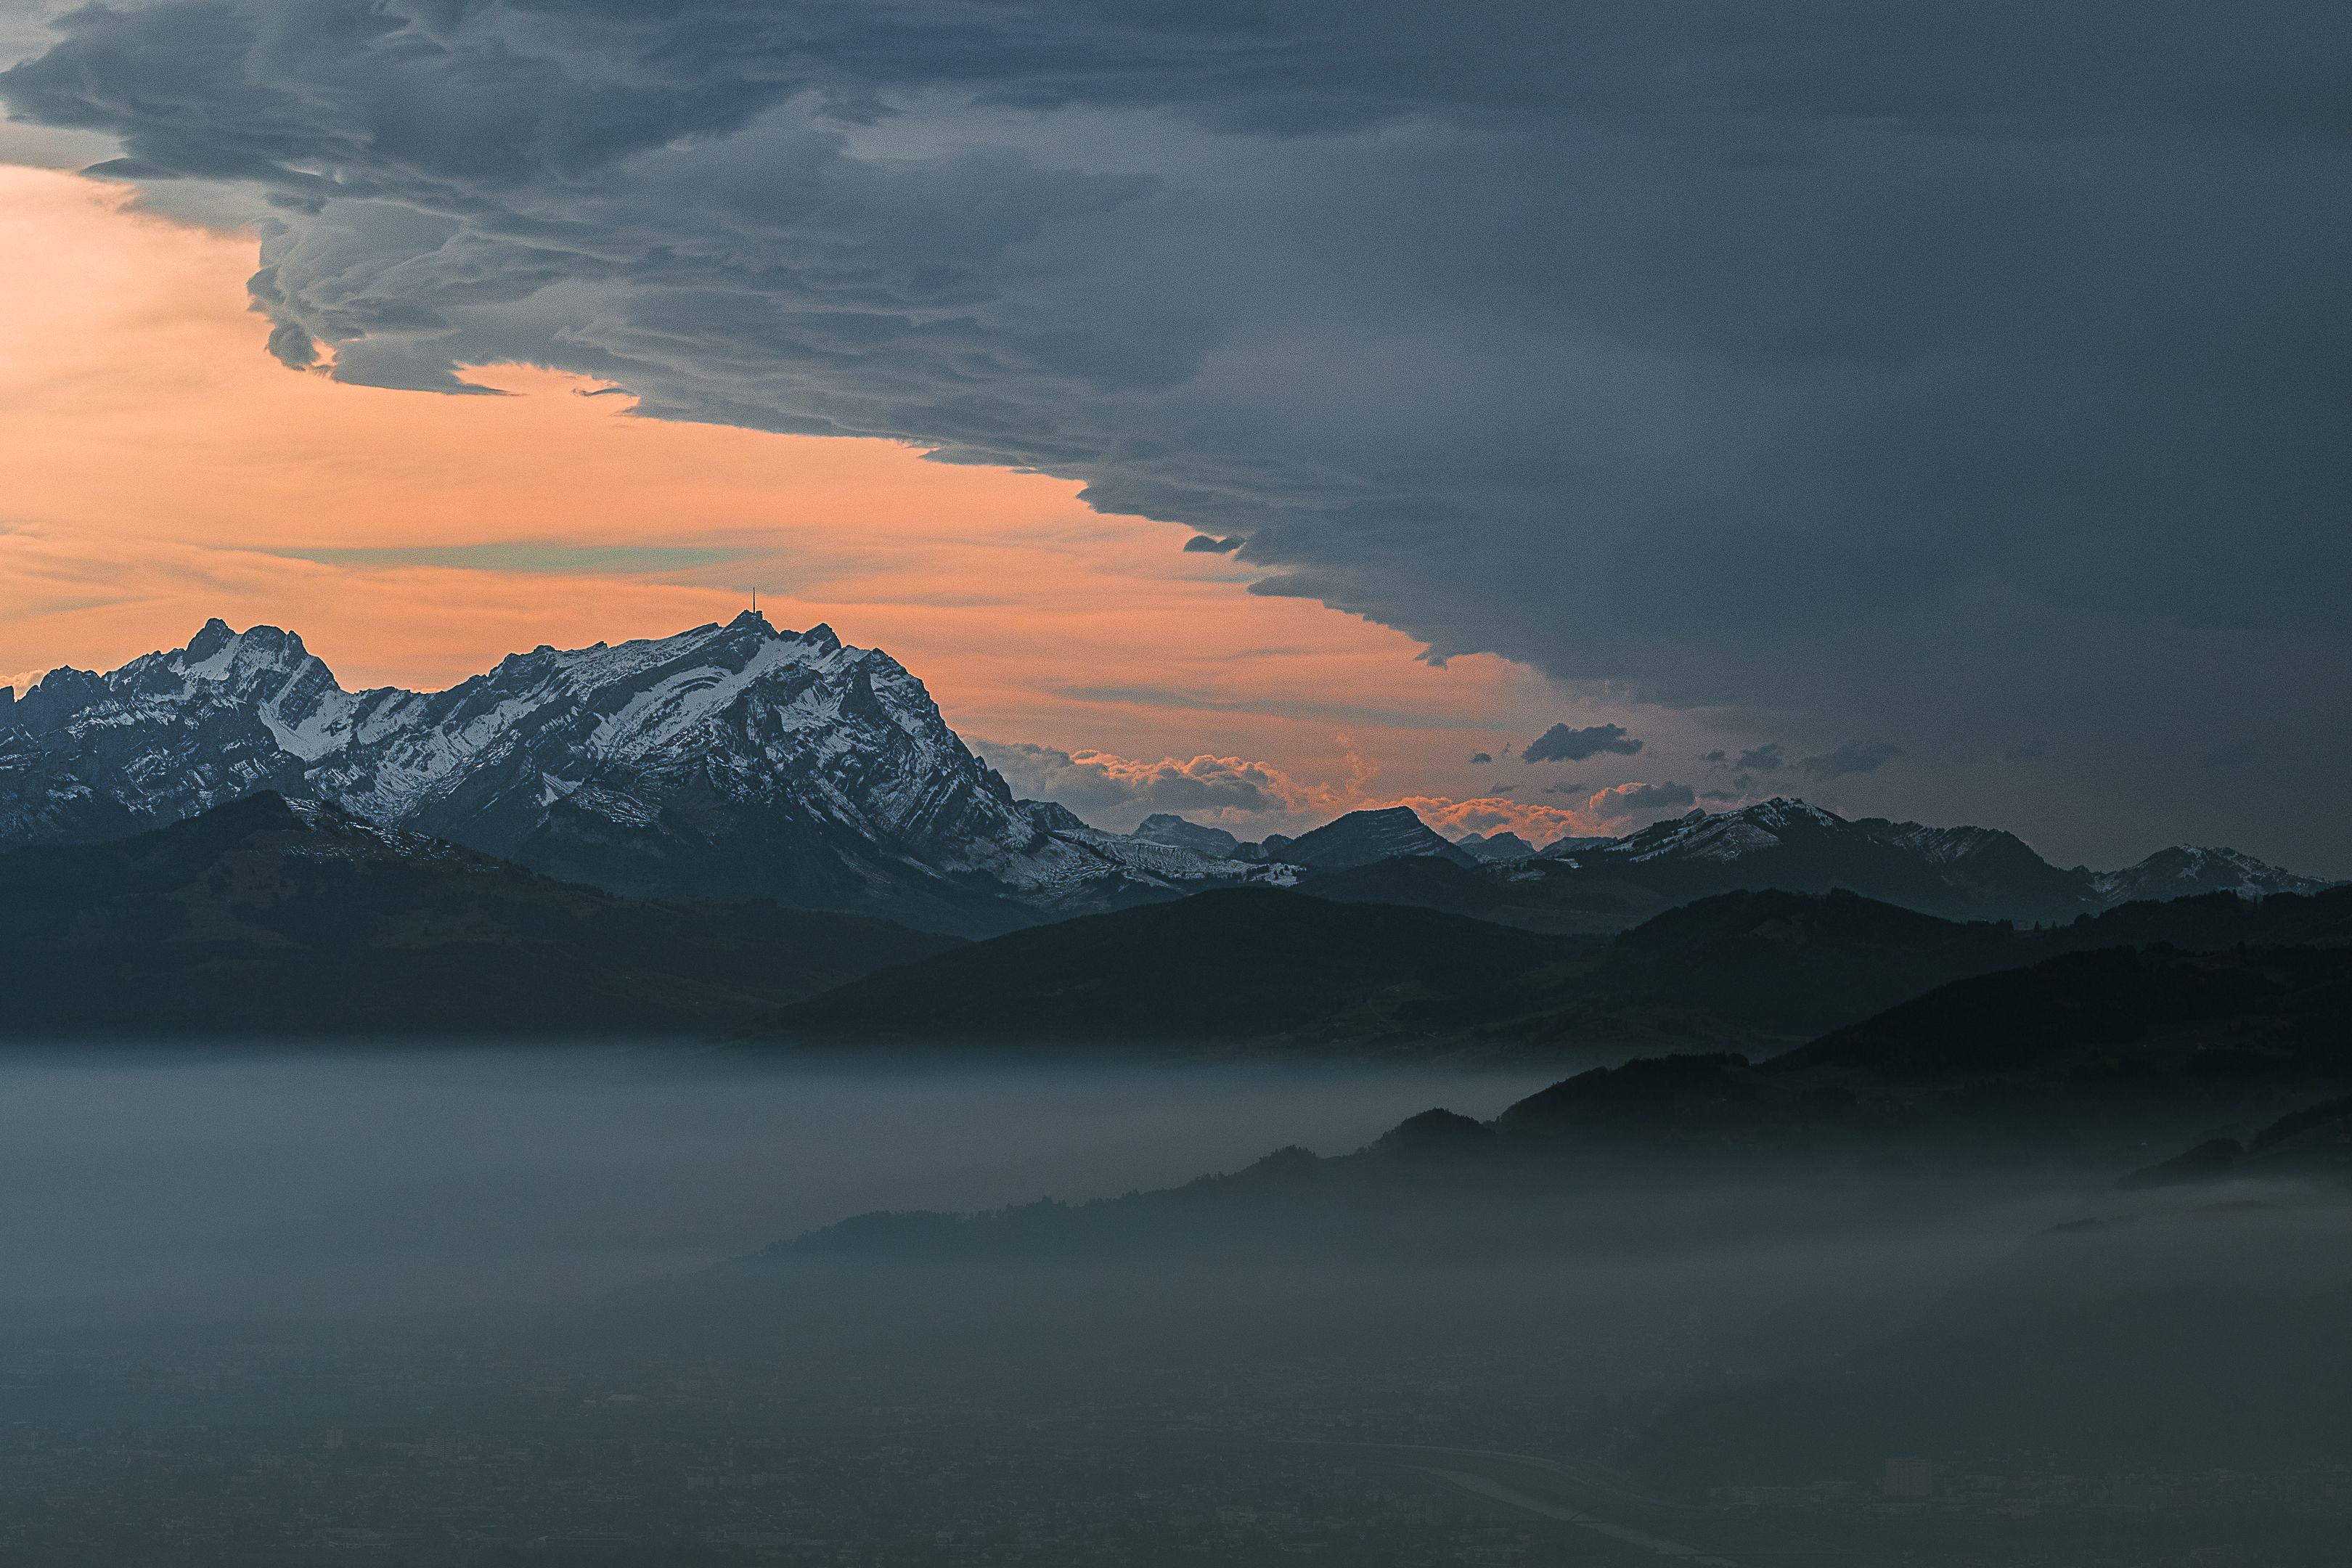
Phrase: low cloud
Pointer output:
(1208, 544)
(1561, 744)
(1494, 814)
(1218, 789)
(1853, 757)
(1480, 757)
(1577, 788)
(1763, 758)
(1625, 799)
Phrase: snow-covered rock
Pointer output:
(1166, 827)
(729, 761)
(2188, 869)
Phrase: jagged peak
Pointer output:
(218, 649)
(1399, 814)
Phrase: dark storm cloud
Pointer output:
(1763, 758)
(1631, 797)
(2230, 754)
(1478, 757)
(1966, 367)
(1561, 744)
(1203, 545)
(1853, 757)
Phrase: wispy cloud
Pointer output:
(531, 557)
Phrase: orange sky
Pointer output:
(160, 468)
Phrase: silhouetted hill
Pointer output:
(1243, 964)
(2204, 1337)
(2121, 1009)
(1362, 837)
(2059, 1055)
(271, 918)
(1749, 971)
(1534, 895)
(1784, 965)
(2313, 1143)
(2082, 1061)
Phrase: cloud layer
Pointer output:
(1561, 744)
(1121, 791)
(1957, 372)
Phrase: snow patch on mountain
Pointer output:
(2188, 869)
(726, 761)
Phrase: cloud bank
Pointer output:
(1098, 784)
(1561, 744)
(1947, 371)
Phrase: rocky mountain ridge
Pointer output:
(727, 762)
(740, 762)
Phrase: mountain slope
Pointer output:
(728, 761)
(1589, 885)
(1960, 873)
(274, 918)
(1364, 837)
(2091, 1049)
(2188, 869)
(1243, 964)
(1742, 972)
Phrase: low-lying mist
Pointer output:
(286, 1189)
(474, 1307)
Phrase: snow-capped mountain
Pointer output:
(729, 761)
(2188, 868)
(1970, 873)
(1964, 873)
(1166, 827)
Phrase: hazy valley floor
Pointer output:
(438, 1308)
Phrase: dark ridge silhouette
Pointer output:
(265, 918)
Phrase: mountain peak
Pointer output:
(1360, 837)
(723, 762)
(1166, 827)
(2188, 868)
(1500, 847)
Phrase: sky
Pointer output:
(1935, 411)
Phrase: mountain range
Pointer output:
(728, 761)
(266, 917)
(1957, 873)
(1290, 971)
(738, 761)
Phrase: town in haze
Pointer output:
(1060, 783)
